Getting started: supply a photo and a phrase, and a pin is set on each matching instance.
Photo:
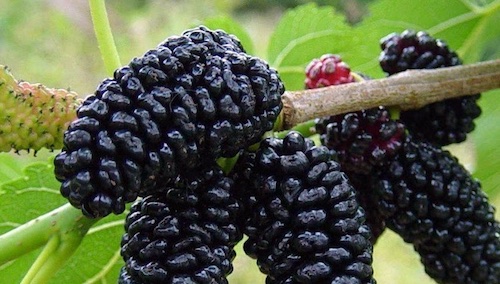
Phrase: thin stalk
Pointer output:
(53, 258)
(408, 90)
(305, 128)
(104, 35)
(47, 251)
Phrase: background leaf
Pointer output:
(36, 192)
(231, 26)
(99, 252)
(10, 167)
(305, 33)
(485, 136)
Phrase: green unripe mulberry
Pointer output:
(33, 116)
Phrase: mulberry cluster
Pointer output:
(194, 98)
(421, 192)
(429, 199)
(442, 122)
(184, 233)
(304, 223)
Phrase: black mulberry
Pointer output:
(429, 199)
(191, 100)
(364, 141)
(184, 233)
(304, 224)
(444, 122)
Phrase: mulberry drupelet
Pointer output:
(191, 100)
(304, 224)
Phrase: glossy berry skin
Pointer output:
(304, 224)
(125, 278)
(184, 234)
(192, 99)
(429, 199)
(328, 70)
(444, 122)
(363, 140)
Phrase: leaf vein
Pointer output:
(295, 42)
(105, 270)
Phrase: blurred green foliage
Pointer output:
(52, 42)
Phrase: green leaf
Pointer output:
(31, 195)
(37, 192)
(485, 136)
(99, 251)
(231, 26)
(12, 164)
(10, 167)
(34, 193)
(303, 34)
(310, 31)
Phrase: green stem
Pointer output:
(305, 128)
(37, 232)
(227, 164)
(49, 249)
(104, 36)
(395, 112)
(55, 257)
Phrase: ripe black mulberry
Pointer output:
(363, 140)
(189, 101)
(429, 199)
(304, 224)
(184, 233)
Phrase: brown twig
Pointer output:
(409, 89)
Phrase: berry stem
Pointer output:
(408, 89)
(305, 128)
(49, 249)
(227, 164)
(104, 35)
(53, 257)
(65, 222)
